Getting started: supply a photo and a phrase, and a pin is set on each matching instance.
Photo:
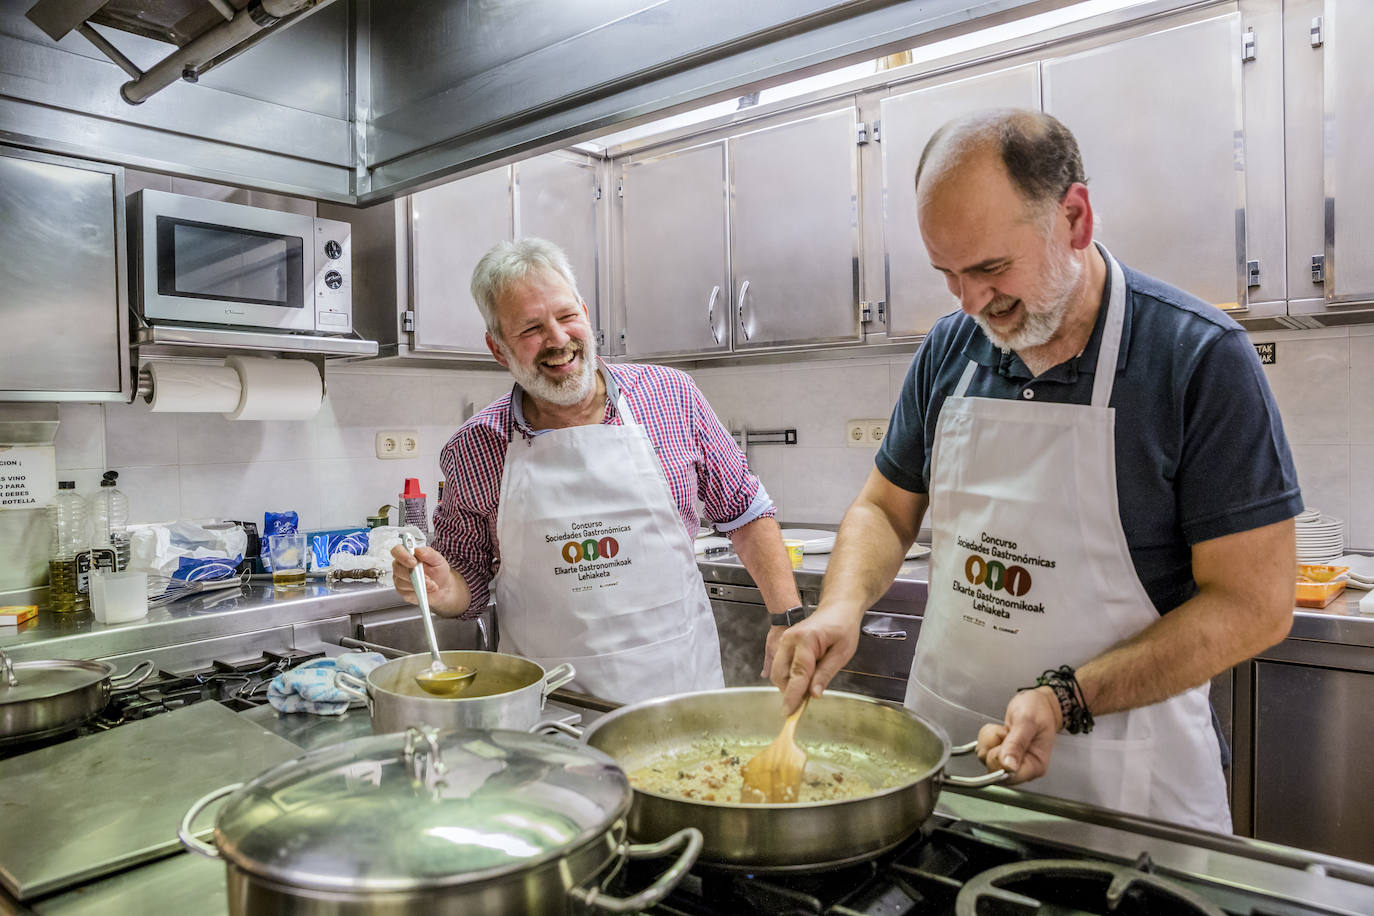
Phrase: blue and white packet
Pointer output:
(276, 523)
(324, 544)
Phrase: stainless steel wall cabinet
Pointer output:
(64, 310)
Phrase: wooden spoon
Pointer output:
(774, 775)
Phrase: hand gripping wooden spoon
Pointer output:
(774, 775)
(438, 679)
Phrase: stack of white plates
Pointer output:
(1321, 538)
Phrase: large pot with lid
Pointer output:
(440, 823)
(508, 692)
(46, 697)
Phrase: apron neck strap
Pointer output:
(613, 393)
(1107, 353)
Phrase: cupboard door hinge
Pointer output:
(1252, 273)
(596, 193)
(620, 189)
(1247, 45)
(877, 131)
(860, 133)
(408, 321)
(1315, 33)
(600, 339)
(1319, 269)
(867, 310)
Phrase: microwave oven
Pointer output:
(199, 261)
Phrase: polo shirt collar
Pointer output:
(517, 407)
(1008, 364)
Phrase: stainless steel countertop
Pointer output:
(251, 607)
(1340, 622)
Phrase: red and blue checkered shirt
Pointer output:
(700, 459)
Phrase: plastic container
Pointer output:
(67, 517)
(1318, 586)
(118, 597)
(414, 510)
(796, 551)
(109, 509)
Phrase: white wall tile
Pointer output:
(154, 493)
(766, 462)
(351, 489)
(1311, 382)
(1362, 389)
(825, 398)
(208, 438)
(246, 490)
(137, 437)
(896, 377)
(80, 441)
(1324, 476)
(1361, 514)
(359, 406)
(822, 482)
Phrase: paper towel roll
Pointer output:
(276, 389)
(194, 388)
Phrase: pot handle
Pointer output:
(188, 836)
(355, 687)
(557, 678)
(688, 837)
(973, 782)
(130, 673)
(554, 725)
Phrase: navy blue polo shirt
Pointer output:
(1200, 449)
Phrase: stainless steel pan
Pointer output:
(802, 836)
(50, 696)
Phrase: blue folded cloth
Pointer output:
(310, 688)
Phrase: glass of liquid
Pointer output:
(287, 552)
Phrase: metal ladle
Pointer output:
(438, 679)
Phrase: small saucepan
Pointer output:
(892, 748)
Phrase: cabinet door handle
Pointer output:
(711, 314)
(871, 630)
(743, 292)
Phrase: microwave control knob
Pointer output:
(333, 250)
(333, 279)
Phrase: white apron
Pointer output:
(597, 569)
(1029, 571)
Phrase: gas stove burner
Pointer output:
(1069, 885)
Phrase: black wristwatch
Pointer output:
(788, 617)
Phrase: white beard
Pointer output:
(564, 393)
(1043, 315)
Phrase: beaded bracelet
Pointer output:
(1072, 705)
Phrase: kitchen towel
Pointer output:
(194, 388)
(310, 688)
(276, 389)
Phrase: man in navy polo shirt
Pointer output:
(1111, 494)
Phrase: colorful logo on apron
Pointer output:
(590, 549)
(996, 576)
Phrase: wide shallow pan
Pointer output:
(54, 695)
(881, 739)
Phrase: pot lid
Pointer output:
(39, 680)
(421, 809)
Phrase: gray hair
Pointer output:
(1040, 154)
(509, 263)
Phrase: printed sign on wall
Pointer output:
(28, 476)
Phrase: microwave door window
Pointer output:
(202, 261)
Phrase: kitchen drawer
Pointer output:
(887, 644)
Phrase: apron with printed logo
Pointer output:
(597, 569)
(1030, 570)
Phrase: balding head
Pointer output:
(1038, 152)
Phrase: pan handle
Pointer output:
(355, 687)
(689, 838)
(130, 673)
(557, 678)
(188, 836)
(973, 782)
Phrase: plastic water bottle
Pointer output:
(413, 506)
(109, 510)
(70, 540)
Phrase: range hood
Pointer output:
(206, 32)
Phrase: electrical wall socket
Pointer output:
(398, 443)
(865, 433)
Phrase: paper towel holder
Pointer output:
(144, 383)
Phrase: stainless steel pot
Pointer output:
(473, 822)
(508, 692)
(880, 736)
(51, 696)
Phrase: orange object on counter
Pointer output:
(1318, 586)
(11, 615)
